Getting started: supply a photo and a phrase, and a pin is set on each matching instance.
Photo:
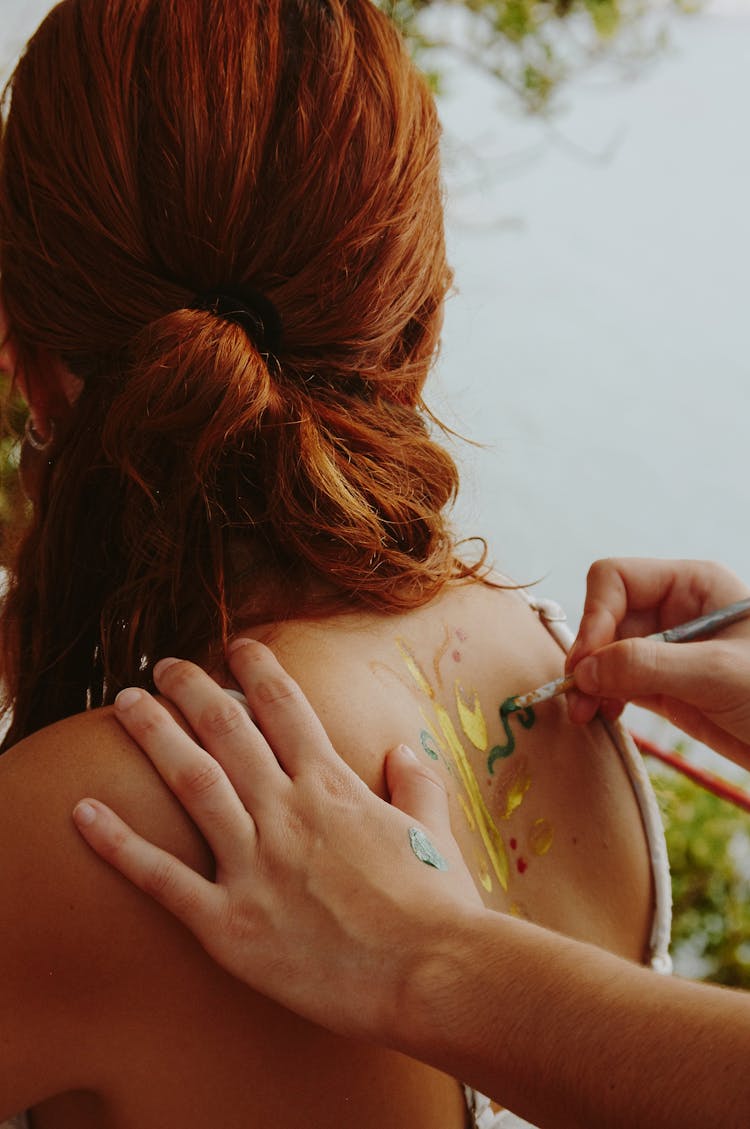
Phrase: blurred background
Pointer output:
(597, 168)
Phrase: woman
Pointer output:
(223, 272)
(652, 1051)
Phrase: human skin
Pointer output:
(228, 1062)
(701, 687)
(570, 1035)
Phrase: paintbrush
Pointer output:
(702, 627)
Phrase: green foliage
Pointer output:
(709, 852)
(532, 46)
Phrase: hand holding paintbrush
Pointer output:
(622, 654)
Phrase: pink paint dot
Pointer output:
(513, 844)
(456, 656)
(461, 634)
(521, 864)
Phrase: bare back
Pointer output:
(122, 1010)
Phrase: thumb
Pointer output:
(640, 667)
(416, 790)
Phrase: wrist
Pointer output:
(420, 1019)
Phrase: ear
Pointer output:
(50, 400)
(8, 348)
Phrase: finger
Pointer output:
(699, 673)
(289, 723)
(223, 727)
(194, 776)
(637, 596)
(581, 708)
(416, 790)
(613, 588)
(187, 895)
(611, 708)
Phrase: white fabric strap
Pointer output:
(554, 619)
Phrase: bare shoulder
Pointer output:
(367, 675)
(544, 811)
(74, 930)
(43, 777)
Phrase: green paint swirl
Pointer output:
(428, 744)
(526, 717)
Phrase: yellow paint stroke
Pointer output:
(491, 837)
(515, 789)
(484, 875)
(379, 669)
(472, 718)
(541, 836)
(467, 812)
(415, 669)
(429, 725)
(489, 833)
(440, 655)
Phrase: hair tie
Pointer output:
(255, 313)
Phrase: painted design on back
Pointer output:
(442, 740)
(526, 717)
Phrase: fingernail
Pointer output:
(235, 644)
(587, 675)
(84, 814)
(127, 698)
(408, 752)
(161, 666)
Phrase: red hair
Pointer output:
(155, 150)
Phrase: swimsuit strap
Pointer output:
(554, 619)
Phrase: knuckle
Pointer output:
(196, 780)
(630, 656)
(113, 845)
(279, 689)
(341, 787)
(599, 568)
(178, 677)
(424, 772)
(630, 662)
(222, 719)
(146, 721)
(602, 572)
(295, 824)
(159, 879)
(238, 922)
(727, 666)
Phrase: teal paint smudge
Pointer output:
(526, 718)
(424, 849)
(428, 744)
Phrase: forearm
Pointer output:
(569, 1036)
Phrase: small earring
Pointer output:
(34, 439)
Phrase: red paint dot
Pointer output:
(456, 656)
(461, 634)
(521, 864)
(513, 844)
